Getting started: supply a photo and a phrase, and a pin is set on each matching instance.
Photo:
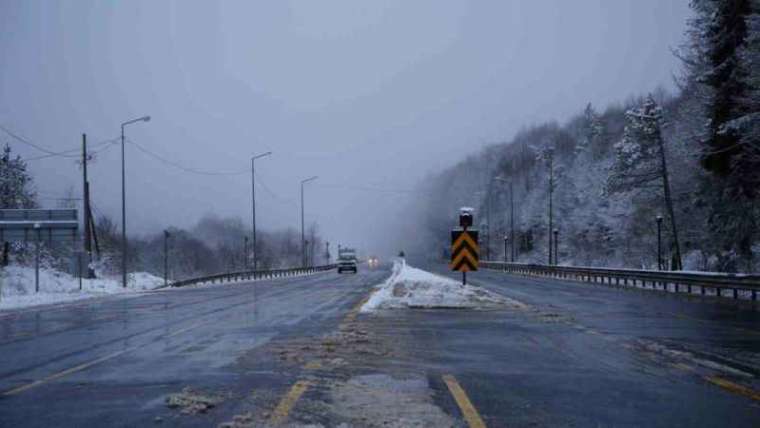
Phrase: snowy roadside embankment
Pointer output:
(17, 287)
(409, 287)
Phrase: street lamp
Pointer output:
(506, 238)
(303, 236)
(253, 207)
(659, 242)
(124, 203)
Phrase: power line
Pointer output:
(274, 195)
(70, 153)
(182, 167)
(29, 143)
(375, 189)
(106, 144)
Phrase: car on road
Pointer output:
(347, 260)
(373, 261)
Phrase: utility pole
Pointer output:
(94, 233)
(253, 205)
(327, 253)
(677, 263)
(166, 258)
(86, 201)
(303, 236)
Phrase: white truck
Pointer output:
(347, 260)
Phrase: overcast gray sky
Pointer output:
(365, 94)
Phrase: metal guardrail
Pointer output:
(251, 275)
(677, 282)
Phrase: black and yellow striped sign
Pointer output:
(464, 250)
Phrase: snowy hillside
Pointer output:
(604, 182)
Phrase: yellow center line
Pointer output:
(89, 364)
(471, 414)
(733, 387)
(354, 312)
(287, 402)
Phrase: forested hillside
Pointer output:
(603, 178)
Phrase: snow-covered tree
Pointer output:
(16, 184)
(591, 133)
(641, 162)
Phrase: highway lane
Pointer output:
(590, 355)
(114, 361)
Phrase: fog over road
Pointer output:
(297, 351)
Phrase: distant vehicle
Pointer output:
(373, 261)
(347, 260)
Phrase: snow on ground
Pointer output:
(17, 286)
(409, 287)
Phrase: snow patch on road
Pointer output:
(409, 287)
(384, 401)
(17, 286)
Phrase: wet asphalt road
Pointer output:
(593, 355)
(156, 344)
(575, 355)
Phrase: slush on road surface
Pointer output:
(393, 346)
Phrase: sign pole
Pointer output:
(464, 245)
(464, 273)
(37, 263)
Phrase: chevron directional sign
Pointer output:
(464, 250)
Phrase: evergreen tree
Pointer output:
(16, 185)
(729, 151)
(591, 133)
(726, 56)
(641, 162)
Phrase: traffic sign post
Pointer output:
(465, 251)
(41, 225)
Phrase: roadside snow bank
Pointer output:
(17, 286)
(409, 287)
